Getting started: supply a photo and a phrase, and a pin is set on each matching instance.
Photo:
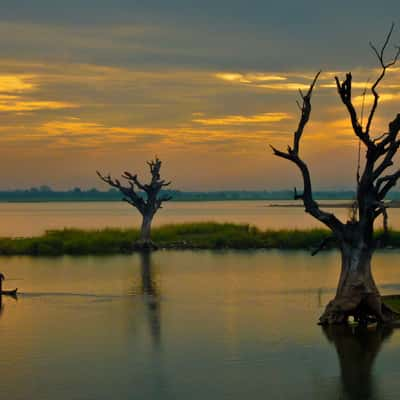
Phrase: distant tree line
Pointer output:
(47, 194)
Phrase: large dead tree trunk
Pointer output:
(148, 204)
(357, 294)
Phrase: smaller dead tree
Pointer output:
(148, 204)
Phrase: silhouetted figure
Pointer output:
(357, 293)
(11, 293)
(357, 348)
(2, 278)
(6, 292)
(147, 205)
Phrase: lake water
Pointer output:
(24, 219)
(189, 325)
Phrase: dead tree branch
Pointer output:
(129, 192)
(149, 200)
(323, 245)
(292, 154)
(385, 65)
(373, 187)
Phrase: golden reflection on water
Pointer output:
(178, 325)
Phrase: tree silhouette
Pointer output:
(148, 204)
(356, 293)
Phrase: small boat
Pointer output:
(6, 292)
(9, 292)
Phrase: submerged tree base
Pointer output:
(357, 295)
(144, 245)
(364, 309)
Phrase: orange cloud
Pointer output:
(26, 105)
(354, 85)
(72, 126)
(369, 98)
(15, 83)
(285, 86)
(248, 78)
(241, 119)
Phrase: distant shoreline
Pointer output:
(45, 194)
(276, 204)
(390, 204)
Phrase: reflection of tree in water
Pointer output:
(149, 288)
(357, 348)
(151, 292)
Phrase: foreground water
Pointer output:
(189, 325)
(27, 219)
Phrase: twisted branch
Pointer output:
(292, 154)
(380, 55)
(153, 201)
(129, 193)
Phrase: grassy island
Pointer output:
(205, 235)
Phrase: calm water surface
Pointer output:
(22, 219)
(189, 325)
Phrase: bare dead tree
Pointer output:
(148, 204)
(357, 293)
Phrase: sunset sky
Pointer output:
(205, 85)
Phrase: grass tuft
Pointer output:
(204, 235)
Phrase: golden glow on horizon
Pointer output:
(104, 115)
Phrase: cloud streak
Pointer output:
(21, 106)
(11, 83)
(243, 119)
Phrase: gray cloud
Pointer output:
(209, 34)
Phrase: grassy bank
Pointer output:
(393, 301)
(179, 236)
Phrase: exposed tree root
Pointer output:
(364, 308)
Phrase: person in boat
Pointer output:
(7, 292)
